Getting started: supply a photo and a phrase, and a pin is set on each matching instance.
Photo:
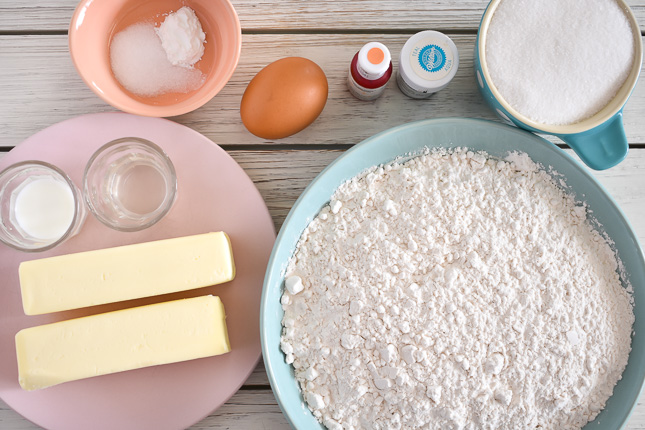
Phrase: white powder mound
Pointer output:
(455, 291)
(182, 37)
(140, 64)
(559, 61)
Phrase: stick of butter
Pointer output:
(128, 339)
(126, 272)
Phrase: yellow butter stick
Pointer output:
(127, 272)
(128, 339)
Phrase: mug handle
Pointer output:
(602, 147)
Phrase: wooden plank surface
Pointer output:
(40, 87)
(281, 176)
(52, 91)
(371, 15)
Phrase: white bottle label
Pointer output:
(431, 59)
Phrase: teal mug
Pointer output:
(600, 140)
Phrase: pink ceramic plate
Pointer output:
(214, 194)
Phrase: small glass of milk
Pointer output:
(40, 207)
(129, 184)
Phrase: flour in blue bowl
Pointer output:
(455, 291)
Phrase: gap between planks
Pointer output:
(316, 147)
(288, 15)
(260, 31)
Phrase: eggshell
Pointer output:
(284, 98)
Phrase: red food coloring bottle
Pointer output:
(369, 72)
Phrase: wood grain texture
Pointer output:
(40, 87)
(51, 91)
(371, 15)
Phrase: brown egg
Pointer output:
(284, 98)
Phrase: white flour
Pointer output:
(455, 292)
(559, 61)
(182, 37)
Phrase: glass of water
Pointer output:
(130, 184)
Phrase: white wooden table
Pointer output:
(39, 87)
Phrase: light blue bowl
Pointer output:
(599, 141)
(497, 140)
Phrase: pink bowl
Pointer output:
(96, 21)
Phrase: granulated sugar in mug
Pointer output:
(559, 61)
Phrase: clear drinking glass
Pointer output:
(129, 184)
(40, 207)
